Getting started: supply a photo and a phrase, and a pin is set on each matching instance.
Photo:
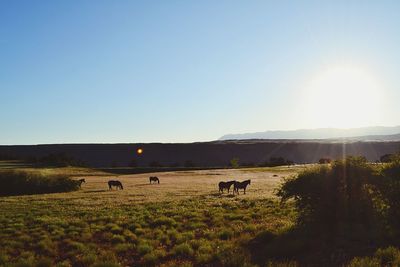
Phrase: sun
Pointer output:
(343, 97)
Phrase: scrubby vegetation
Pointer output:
(20, 182)
(348, 209)
(197, 232)
(344, 213)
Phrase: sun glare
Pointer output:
(343, 97)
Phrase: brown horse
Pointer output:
(115, 183)
(154, 179)
(240, 185)
(225, 185)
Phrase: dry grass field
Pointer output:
(177, 185)
(184, 220)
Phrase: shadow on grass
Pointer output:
(219, 195)
(95, 191)
(311, 247)
(146, 184)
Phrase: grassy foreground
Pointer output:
(197, 231)
(181, 221)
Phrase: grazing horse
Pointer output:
(154, 179)
(115, 183)
(225, 185)
(80, 182)
(240, 185)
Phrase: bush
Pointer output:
(332, 196)
(183, 250)
(389, 256)
(225, 234)
(144, 248)
(389, 185)
(234, 163)
(24, 183)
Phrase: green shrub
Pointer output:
(163, 220)
(3, 258)
(225, 234)
(183, 250)
(204, 253)
(24, 182)
(88, 259)
(122, 248)
(117, 239)
(330, 196)
(150, 258)
(129, 236)
(144, 248)
(364, 262)
(389, 256)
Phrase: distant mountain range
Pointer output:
(377, 133)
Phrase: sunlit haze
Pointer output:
(344, 97)
(186, 71)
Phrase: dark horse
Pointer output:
(225, 185)
(115, 183)
(154, 179)
(80, 182)
(240, 185)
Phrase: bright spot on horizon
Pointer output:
(343, 97)
(139, 151)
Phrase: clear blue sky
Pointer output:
(182, 71)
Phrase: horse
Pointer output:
(115, 183)
(80, 182)
(240, 185)
(154, 179)
(225, 185)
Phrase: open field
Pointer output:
(182, 220)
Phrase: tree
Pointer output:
(234, 162)
(332, 196)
